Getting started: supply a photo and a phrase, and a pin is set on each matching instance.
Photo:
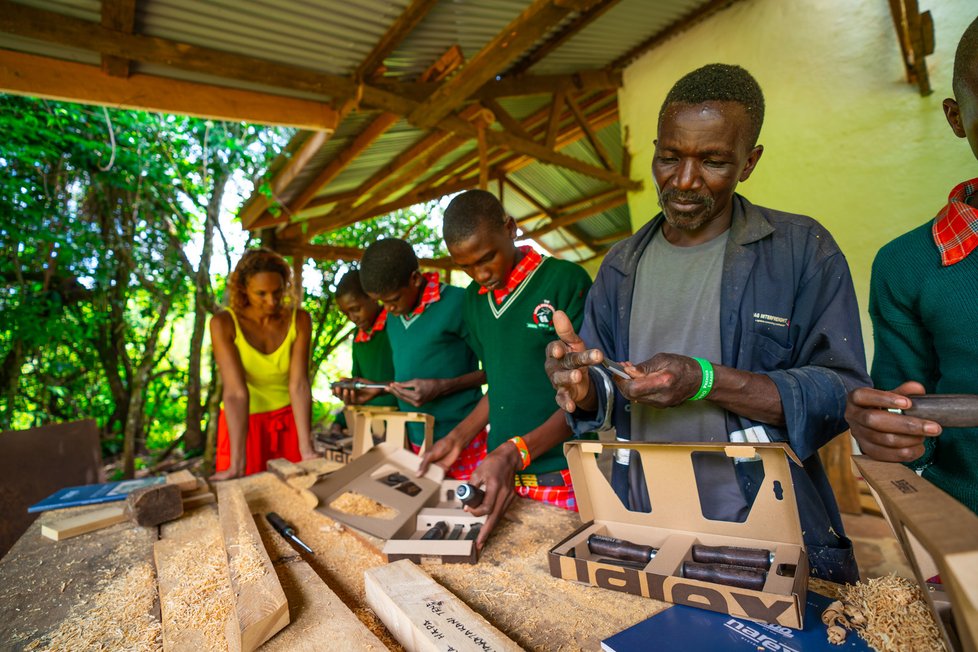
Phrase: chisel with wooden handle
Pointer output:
(731, 555)
(949, 410)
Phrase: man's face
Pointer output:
(702, 153)
(962, 113)
(403, 300)
(489, 255)
(358, 308)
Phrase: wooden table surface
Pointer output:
(46, 585)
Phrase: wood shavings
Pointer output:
(120, 618)
(203, 600)
(246, 564)
(356, 505)
(889, 613)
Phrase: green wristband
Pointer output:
(707, 383)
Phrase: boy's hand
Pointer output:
(417, 392)
(355, 396)
(884, 435)
(444, 453)
(566, 366)
(496, 476)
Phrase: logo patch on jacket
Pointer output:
(771, 320)
(543, 316)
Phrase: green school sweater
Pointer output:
(374, 361)
(435, 344)
(511, 340)
(924, 318)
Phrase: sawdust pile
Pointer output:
(889, 613)
(120, 618)
(357, 505)
(202, 600)
(245, 561)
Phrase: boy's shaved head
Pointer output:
(966, 61)
(470, 213)
(387, 266)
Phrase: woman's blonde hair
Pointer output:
(256, 261)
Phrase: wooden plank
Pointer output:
(592, 137)
(184, 479)
(119, 15)
(193, 501)
(412, 15)
(507, 46)
(582, 81)
(424, 616)
(577, 216)
(553, 126)
(508, 122)
(72, 526)
(27, 74)
(283, 469)
(260, 603)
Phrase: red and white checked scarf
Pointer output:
(379, 323)
(529, 262)
(431, 294)
(956, 226)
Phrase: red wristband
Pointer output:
(523, 450)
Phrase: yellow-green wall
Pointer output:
(846, 139)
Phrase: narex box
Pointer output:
(676, 523)
(457, 527)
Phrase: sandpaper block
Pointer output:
(154, 505)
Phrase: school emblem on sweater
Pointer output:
(543, 316)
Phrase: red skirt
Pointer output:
(270, 435)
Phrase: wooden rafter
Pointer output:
(681, 25)
(66, 30)
(412, 15)
(521, 191)
(611, 239)
(556, 108)
(582, 20)
(582, 81)
(577, 216)
(573, 206)
(592, 137)
(508, 122)
(118, 15)
(529, 27)
(915, 31)
(75, 82)
(332, 252)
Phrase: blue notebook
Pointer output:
(697, 630)
(92, 494)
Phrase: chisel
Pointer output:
(949, 410)
(469, 495)
(356, 384)
(731, 555)
(286, 530)
(437, 531)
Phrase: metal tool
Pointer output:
(473, 532)
(615, 368)
(730, 555)
(456, 532)
(286, 530)
(437, 531)
(949, 410)
(469, 495)
(356, 384)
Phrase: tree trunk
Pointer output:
(214, 393)
(203, 305)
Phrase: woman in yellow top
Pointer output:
(261, 345)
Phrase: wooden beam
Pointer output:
(424, 616)
(531, 25)
(553, 126)
(573, 206)
(530, 198)
(26, 74)
(260, 603)
(72, 526)
(509, 123)
(592, 137)
(333, 252)
(611, 239)
(582, 81)
(118, 15)
(412, 15)
(674, 28)
(569, 30)
(253, 210)
(565, 220)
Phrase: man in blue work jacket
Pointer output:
(745, 318)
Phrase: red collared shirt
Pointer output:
(431, 294)
(379, 323)
(956, 226)
(529, 262)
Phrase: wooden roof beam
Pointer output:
(333, 252)
(26, 74)
(575, 205)
(118, 15)
(582, 81)
(519, 35)
(582, 20)
(592, 137)
(410, 18)
(546, 210)
(577, 216)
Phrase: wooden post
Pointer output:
(298, 260)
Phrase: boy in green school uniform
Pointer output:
(435, 369)
(373, 361)
(509, 308)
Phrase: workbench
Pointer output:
(47, 585)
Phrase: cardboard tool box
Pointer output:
(456, 545)
(939, 535)
(368, 422)
(676, 524)
(379, 492)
